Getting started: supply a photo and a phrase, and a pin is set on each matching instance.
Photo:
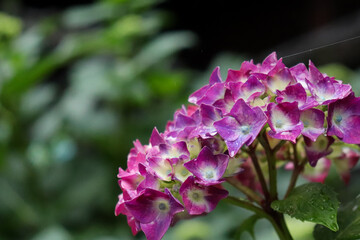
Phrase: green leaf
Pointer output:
(313, 202)
(349, 224)
(247, 226)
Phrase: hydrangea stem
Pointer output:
(276, 219)
(298, 167)
(270, 155)
(255, 161)
(247, 191)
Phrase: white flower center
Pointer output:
(209, 174)
(278, 123)
(245, 129)
(338, 119)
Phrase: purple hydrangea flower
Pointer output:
(241, 126)
(284, 121)
(154, 210)
(296, 93)
(279, 79)
(345, 161)
(209, 115)
(249, 90)
(343, 119)
(209, 93)
(241, 75)
(313, 121)
(207, 167)
(199, 199)
(318, 149)
(326, 90)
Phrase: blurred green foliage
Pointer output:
(76, 88)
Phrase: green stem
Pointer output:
(279, 145)
(247, 191)
(259, 172)
(270, 155)
(295, 174)
(281, 221)
(277, 224)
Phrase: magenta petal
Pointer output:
(328, 90)
(207, 167)
(280, 80)
(182, 121)
(292, 93)
(243, 127)
(215, 76)
(200, 199)
(318, 149)
(251, 89)
(284, 121)
(235, 76)
(155, 138)
(161, 167)
(313, 121)
(345, 162)
(157, 229)
(143, 207)
(270, 63)
(314, 73)
(318, 173)
(215, 92)
(234, 146)
(228, 128)
(202, 92)
(152, 204)
(120, 206)
(197, 95)
(344, 119)
(154, 210)
(134, 225)
(209, 114)
(300, 73)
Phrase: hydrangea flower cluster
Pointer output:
(224, 136)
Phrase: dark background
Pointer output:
(252, 27)
(76, 90)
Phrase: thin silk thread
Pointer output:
(321, 47)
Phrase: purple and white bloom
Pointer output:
(248, 91)
(209, 93)
(300, 73)
(318, 149)
(181, 173)
(241, 75)
(207, 167)
(156, 139)
(284, 121)
(313, 121)
(209, 115)
(241, 126)
(161, 167)
(344, 119)
(346, 160)
(279, 79)
(325, 89)
(201, 147)
(154, 210)
(296, 93)
(216, 144)
(270, 63)
(200, 199)
(312, 174)
(319, 173)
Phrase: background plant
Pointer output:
(61, 139)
